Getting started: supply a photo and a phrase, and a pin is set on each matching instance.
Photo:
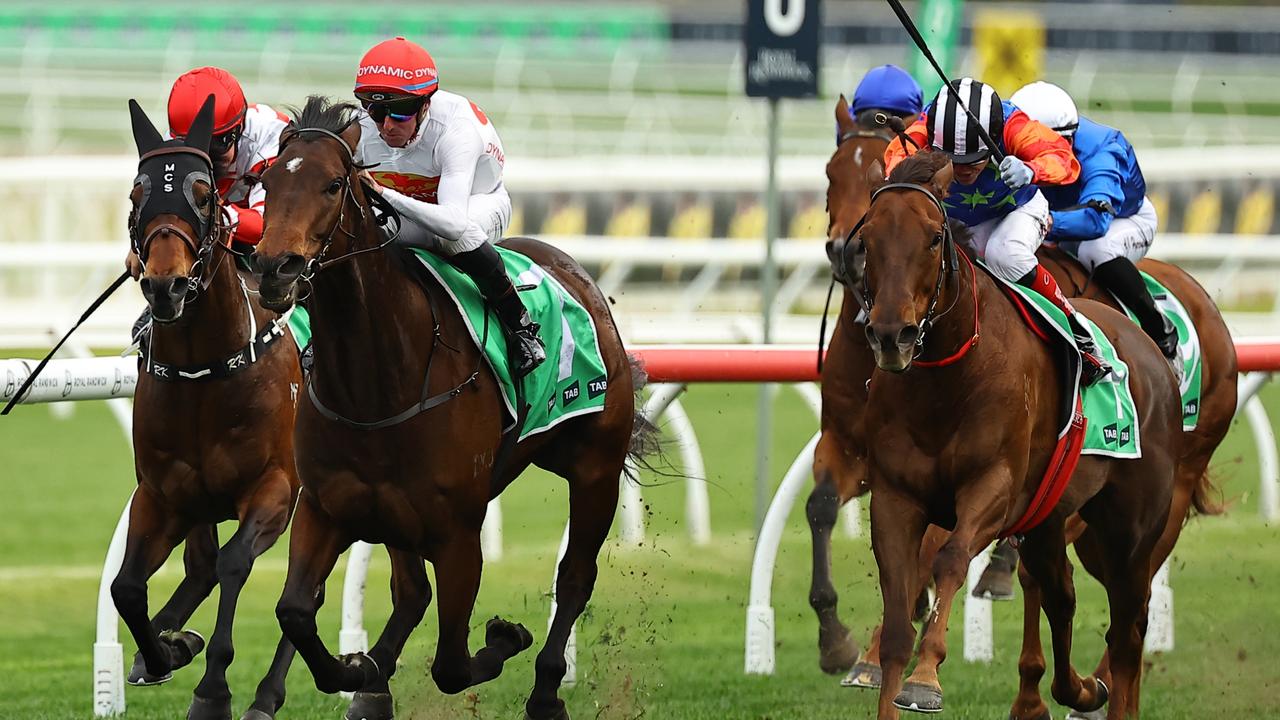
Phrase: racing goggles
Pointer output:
(399, 109)
(220, 144)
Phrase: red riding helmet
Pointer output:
(190, 91)
(397, 67)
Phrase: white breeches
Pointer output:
(1008, 244)
(488, 216)
(1129, 237)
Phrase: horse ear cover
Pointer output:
(202, 127)
(145, 135)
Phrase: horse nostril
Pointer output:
(145, 285)
(178, 287)
(908, 335)
(871, 336)
(291, 267)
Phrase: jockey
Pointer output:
(1007, 214)
(246, 139)
(438, 161)
(1104, 219)
(888, 88)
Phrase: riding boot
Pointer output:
(1121, 277)
(1093, 368)
(484, 266)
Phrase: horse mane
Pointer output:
(323, 113)
(919, 168)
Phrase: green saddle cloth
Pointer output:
(573, 380)
(1109, 409)
(1188, 348)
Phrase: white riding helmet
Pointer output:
(1050, 105)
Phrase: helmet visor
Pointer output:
(400, 108)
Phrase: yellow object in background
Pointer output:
(1256, 212)
(1010, 48)
(1204, 213)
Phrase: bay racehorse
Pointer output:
(212, 422)
(420, 486)
(839, 468)
(964, 432)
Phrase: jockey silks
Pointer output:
(1110, 185)
(988, 198)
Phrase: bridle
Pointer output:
(317, 263)
(206, 220)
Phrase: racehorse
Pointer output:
(212, 423)
(964, 432)
(420, 486)
(839, 461)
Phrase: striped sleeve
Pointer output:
(1046, 152)
(900, 150)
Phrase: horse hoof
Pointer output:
(184, 646)
(863, 675)
(209, 708)
(835, 657)
(139, 677)
(371, 706)
(996, 583)
(256, 714)
(918, 697)
(365, 669)
(500, 633)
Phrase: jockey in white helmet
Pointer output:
(1104, 218)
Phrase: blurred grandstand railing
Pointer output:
(642, 226)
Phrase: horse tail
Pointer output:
(1206, 497)
(645, 443)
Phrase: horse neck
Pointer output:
(212, 326)
(372, 329)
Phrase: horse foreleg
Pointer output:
(153, 533)
(410, 595)
(199, 559)
(897, 528)
(592, 502)
(977, 523)
(458, 564)
(265, 517)
(314, 545)
(837, 650)
(1029, 705)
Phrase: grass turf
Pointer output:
(663, 636)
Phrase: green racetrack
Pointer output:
(663, 636)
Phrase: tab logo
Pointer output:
(1126, 435)
(551, 402)
(1110, 433)
(1191, 408)
(570, 394)
(596, 388)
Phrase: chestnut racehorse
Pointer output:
(421, 486)
(963, 434)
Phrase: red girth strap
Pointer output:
(1061, 466)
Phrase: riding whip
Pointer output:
(910, 27)
(92, 307)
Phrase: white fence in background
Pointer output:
(63, 238)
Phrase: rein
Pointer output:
(316, 264)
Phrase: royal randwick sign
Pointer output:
(782, 48)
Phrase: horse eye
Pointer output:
(334, 186)
(937, 240)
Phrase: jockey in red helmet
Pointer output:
(439, 163)
(246, 138)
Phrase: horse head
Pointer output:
(173, 223)
(908, 247)
(314, 183)
(852, 170)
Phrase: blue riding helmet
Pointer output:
(888, 87)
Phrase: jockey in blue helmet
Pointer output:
(890, 88)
